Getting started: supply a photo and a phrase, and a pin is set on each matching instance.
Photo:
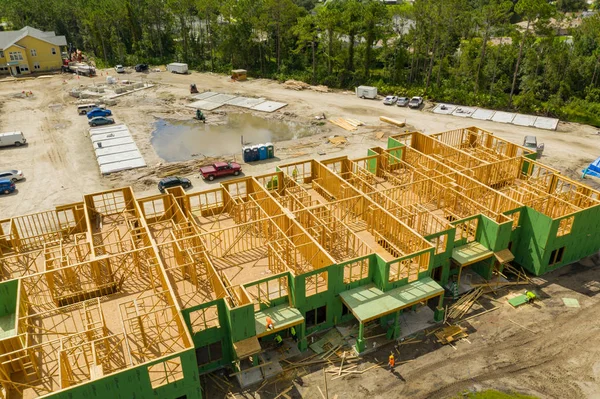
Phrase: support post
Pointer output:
(438, 314)
(360, 341)
(302, 343)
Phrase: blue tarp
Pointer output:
(593, 169)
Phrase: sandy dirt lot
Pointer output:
(559, 359)
(59, 161)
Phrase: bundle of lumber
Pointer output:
(450, 334)
(295, 85)
(320, 88)
(337, 140)
(346, 123)
(462, 306)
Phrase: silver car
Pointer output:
(12, 175)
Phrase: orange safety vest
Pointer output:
(391, 361)
(269, 321)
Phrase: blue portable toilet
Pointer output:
(270, 150)
(247, 154)
(262, 152)
(254, 153)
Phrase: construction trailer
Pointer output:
(118, 296)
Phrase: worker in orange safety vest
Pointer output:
(391, 361)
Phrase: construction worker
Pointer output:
(531, 297)
(295, 174)
(269, 323)
(293, 333)
(278, 340)
(391, 361)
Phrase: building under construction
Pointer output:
(125, 297)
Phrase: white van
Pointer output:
(85, 108)
(12, 138)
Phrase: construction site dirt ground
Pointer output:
(543, 349)
(558, 359)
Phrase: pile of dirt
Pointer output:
(298, 85)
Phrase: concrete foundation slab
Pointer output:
(221, 98)
(444, 109)
(413, 322)
(546, 123)
(524, 120)
(115, 149)
(205, 95)
(483, 114)
(237, 101)
(251, 102)
(250, 377)
(269, 106)
(204, 105)
(503, 117)
(464, 112)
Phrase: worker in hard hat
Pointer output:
(278, 340)
(391, 361)
(531, 297)
(293, 334)
(269, 323)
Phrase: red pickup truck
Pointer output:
(219, 169)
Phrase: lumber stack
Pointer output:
(347, 123)
(335, 140)
(295, 85)
(451, 334)
(462, 306)
(392, 121)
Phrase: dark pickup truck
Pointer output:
(219, 169)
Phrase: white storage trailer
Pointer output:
(366, 92)
(177, 67)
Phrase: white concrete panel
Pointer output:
(251, 102)
(269, 106)
(113, 142)
(464, 112)
(205, 95)
(108, 129)
(119, 166)
(116, 149)
(483, 114)
(109, 136)
(503, 117)
(524, 120)
(449, 108)
(237, 101)
(204, 105)
(124, 156)
(221, 98)
(542, 122)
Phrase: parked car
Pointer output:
(219, 169)
(390, 100)
(98, 112)
(101, 120)
(402, 101)
(173, 181)
(531, 143)
(415, 102)
(83, 109)
(141, 67)
(12, 138)
(6, 186)
(120, 69)
(12, 175)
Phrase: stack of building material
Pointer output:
(348, 124)
(295, 85)
(462, 306)
(450, 334)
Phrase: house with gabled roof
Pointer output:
(30, 50)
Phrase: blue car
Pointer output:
(6, 186)
(98, 112)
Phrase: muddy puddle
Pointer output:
(176, 141)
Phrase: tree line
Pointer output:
(503, 54)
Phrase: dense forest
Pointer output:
(534, 56)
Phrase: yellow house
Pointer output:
(30, 50)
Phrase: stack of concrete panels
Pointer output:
(115, 149)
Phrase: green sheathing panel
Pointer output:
(387, 285)
(212, 335)
(372, 163)
(8, 308)
(530, 248)
(495, 237)
(526, 164)
(441, 261)
(330, 298)
(135, 383)
(393, 143)
(582, 241)
(242, 318)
